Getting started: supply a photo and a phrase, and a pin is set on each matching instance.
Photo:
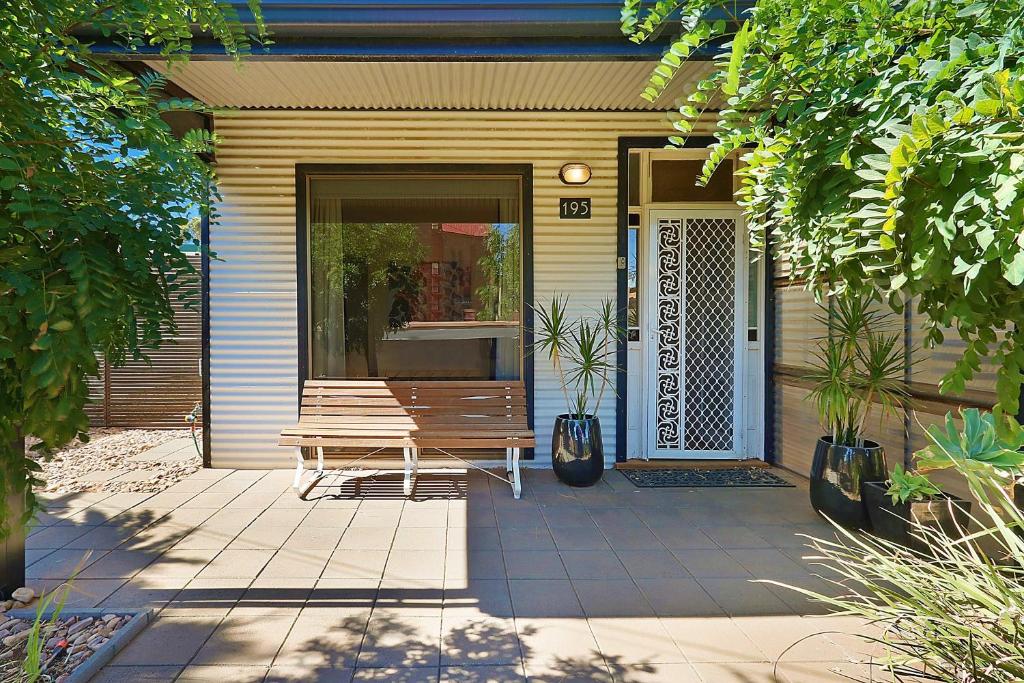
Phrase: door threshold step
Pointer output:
(688, 464)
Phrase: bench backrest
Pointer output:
(494, 405)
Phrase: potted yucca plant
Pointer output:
(860, 365)
(582, 352)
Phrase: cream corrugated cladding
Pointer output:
(253, 338)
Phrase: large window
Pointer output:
(415, 277)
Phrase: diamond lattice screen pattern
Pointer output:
(710, 334)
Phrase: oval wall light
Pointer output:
(574, 174)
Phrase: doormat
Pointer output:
(712, 478)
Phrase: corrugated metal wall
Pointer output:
(253, 366)
(157, 394)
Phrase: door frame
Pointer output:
(647, 251)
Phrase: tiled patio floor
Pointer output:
(460, 583)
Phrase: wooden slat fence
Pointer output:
(159, 394)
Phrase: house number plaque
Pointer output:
(574, 207)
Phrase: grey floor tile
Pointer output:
(323, 638)
(635, 641)
(530, 538)
(308, 674)
(483, 597)
(538, 598)
(401, 642)
(415, 564)
(712, 639)
(713, 563)
(741, 598)
(592, 564)
(475, 641)
(583, 537)
(392, 674)
(483, 674)
(119, 564)
(612, 598)
(735, 537)
(137, 674)
(167, 641)
(679, 598)
(534, 564)
(474, 565)
(236, 564)
(245, 640)
(652, 564)
(242, 673)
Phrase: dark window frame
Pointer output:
(302, 174)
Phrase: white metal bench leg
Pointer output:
(517, 486)
(300, 466)
(315, 477)
(411, 466)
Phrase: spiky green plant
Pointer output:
(581, 351)
(953, 612)
(859, 363)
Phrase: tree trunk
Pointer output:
(12, 549)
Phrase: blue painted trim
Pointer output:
(344, 49)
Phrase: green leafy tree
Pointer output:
(94, 189)
(884, 149)
(500, 295)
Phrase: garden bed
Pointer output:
(75, 646)
(116, 461)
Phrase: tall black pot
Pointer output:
(577, 452)
(838, 474)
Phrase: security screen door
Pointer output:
(693, 332)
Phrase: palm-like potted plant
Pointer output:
(582, 353)
(860, 366)
(910, 500)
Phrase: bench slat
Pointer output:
(406, 384)
(411, 412)
(379, 442)
(420, 401)
(370, 392)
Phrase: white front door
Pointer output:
(694, 333)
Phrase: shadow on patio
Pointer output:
(458, 583)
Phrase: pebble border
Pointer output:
(118, 641)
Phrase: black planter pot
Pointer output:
(892, 521)
(837, 476)
(577, 452)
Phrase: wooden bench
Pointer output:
(411, 415)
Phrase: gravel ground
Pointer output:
(107, 462)
(68, 643)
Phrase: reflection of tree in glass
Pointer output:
(499, 295)
(374, 268)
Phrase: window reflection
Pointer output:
(632, 275)
(415, 278)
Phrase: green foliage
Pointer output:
(910, 487)
(94, 190)
(582, 352)
(860, 363)
(41, 629)
(952, 610)
(987, 442)
(501, 265)
(884, 150)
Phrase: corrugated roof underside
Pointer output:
(511, 86)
